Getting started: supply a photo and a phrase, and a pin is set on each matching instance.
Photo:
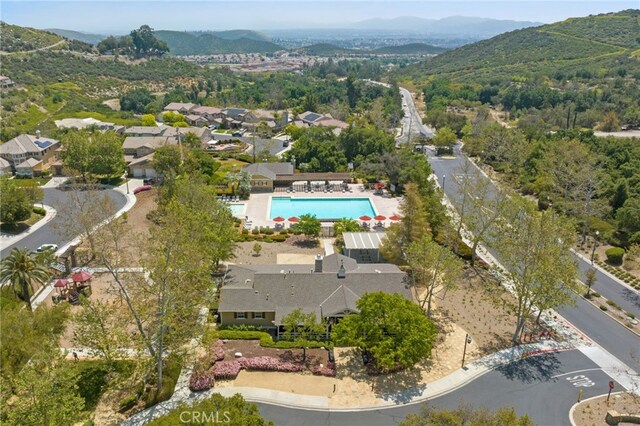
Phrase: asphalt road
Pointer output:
(412, 122)
(609, 334)
(49, 233)
(544, 387)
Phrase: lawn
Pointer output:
(36, 181)
(20, 227)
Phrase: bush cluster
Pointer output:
(615, 255)
(329, 370)
(268, 363)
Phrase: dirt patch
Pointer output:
(114, 104)
(270, 251)
(593, 411)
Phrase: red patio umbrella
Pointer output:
(278, 219)
(60, 283)
(80, 277)
(293, 219)
(378, 185)
(365, 218)
(380, 217)
(394, 217)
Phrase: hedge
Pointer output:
(39, 210)
(266, 341)
(615, 255)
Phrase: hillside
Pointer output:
(592, 43)
(185, 43)
(77, 35)
(236, 34)
(409, 49)
(326, 49)
(22, 39)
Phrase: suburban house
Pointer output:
(6, 82)
(267, 177)
(29, 168)
(5, 167)
(203, 134)
(25, 147)
(196, 120)
(363, 247)
(211, 114)
(139, 146)
(234, 116)
(142, 167)
(273, 120)
(314, 119)
(179, 107)
(83, 123)
(263, 295)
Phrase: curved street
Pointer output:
(50, 233)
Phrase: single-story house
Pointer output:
(208, 113)
(139, 131)
(29, 168)
(263, 295)
(273, 120)
(196, 120)
(182, 108)
(83, 123)
(202, 133)
(311, 118)
(24, 147)
(142, 167)
(141, 146)
(5, 167)
(363, 247)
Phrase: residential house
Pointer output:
(274, 120)
(23, 147)
(29, 168)
(209, 113)
(315, 119)
(6, 82)
(234, 117)
(83, 123)
(140, 146)
(5, 167)
(196, 120)
(262, 295)
(142, 167)
(139, 131)
(203, 134)
(179, 107)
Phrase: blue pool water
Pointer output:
(323, 208)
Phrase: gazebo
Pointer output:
(364, 247)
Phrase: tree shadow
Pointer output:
(532, 369)
(399, 387)
(631, 296)
(15, 228)
(306, 243)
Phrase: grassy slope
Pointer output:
(594, 42)
(20, 39)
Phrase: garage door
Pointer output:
(149, 173)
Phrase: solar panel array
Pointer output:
(42, 144)
(312, 117)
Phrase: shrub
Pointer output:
(242, 335)
(267, 239)
(226, 370)
(267, 363)
(268, 231)
(603, 308)
(296, 232)
(201, 380)
(595, 294)
(615, 255)
(284, 231)
(329, 370)
(127, 403)
(630, 315)
(245, 232)
(279, 238)
(255, 231)
(40, 211)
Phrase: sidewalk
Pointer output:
(7, 239)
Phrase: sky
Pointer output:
(119, 17)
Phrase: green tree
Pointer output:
(16, 204)
(257, 248)
(465, 415)
(534, 248)
(590, 280)
(136, 100)
(171, 117)
(191, 140)
(167, 161)
(93, 154)
(148, 120)
(21, 269)
(434, 267)
(444, 140)
(628, 216)
(393, 329)
(146, 44)
(301, 328)
(610, 122)
(344, 225)
(309, 225)
(218, 409)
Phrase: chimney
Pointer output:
(38, 134)
(342, 273)
(318, 263)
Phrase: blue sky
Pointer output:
(100, 16)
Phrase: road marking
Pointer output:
(581, 381)
(575, 372)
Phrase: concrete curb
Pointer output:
(574, 406)
(51, 213)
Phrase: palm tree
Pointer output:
(21, 269)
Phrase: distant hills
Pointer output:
(461, 26)
(23, 39)
(77, 35)
(588, 44)
(328, 49)
(212, 43)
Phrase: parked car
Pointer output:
(285, 143)
(47, 247)
(236, 134)
(142, 188)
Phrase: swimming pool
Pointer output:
(323, 208)
(237, 209)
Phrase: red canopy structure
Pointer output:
(365, 218)
(80, 277)
(60, 283)
(380, 217)
(293, 219)
(278, 219)
(394, 217)
(378, 185)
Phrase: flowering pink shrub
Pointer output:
(267, 363)
(201, 380)
(218, 351)
(226, 369)
(329, 370)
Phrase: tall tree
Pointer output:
(90, 154)
(534, 247)
(21, 269)
(16, 204)
(309, 225)
(146, 43)
(393, 329)
(434, 267)
(444, 140)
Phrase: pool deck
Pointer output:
(259, 205)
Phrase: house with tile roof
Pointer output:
(182, 108)
(24, 147)
(262, 295)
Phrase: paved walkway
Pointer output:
(9, 239)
